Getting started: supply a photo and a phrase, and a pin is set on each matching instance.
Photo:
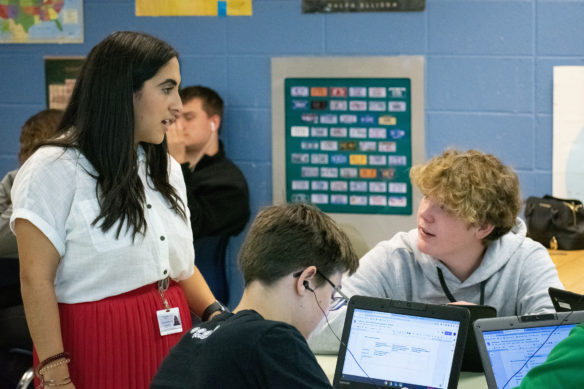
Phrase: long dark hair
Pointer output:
(99, 121)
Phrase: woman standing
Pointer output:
(102, 226)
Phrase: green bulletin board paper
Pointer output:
(349, 144)
(60, 76)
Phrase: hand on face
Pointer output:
(175, 140)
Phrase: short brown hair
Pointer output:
(212, 103)
(37, 128)
(290, 237)
(475, 187)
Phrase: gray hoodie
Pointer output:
(517, 270)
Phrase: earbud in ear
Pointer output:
(212, 127)
(307, 286)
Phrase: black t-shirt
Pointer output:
(241, 350)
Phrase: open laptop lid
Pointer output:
(565, 300)
(391, 343)
(471, 359)
(511, 346)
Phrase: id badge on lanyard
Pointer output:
(169, 321)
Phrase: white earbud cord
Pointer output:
(343, 343)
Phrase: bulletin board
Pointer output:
(348, 144)
(345, 132)
(60, 76)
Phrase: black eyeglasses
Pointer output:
(338, 299)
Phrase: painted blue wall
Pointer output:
(488, 72)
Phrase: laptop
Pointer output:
(565, 300)
(471, 359)
(510, 346)
(398, 344)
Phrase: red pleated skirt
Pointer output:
(115, 343)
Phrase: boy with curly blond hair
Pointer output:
(469, 246)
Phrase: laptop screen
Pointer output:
(510, 350)
(390, 349)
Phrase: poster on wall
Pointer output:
(334, 6)
(60, 76)
(41, 21)
(568, 132)
(193, 8)
(349, 144)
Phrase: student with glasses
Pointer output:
(338, 298)
(292, 261)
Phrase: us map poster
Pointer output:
(41, 21)
(349, 144)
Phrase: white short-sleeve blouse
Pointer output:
(55, 191)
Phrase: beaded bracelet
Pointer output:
(50, 359)
(53, 364)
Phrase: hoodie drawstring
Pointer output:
(450, 296)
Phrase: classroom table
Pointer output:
(570, 266)
(467, 380)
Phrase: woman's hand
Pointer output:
(38, 264)
(58, 374)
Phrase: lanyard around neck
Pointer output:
(450, 296)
